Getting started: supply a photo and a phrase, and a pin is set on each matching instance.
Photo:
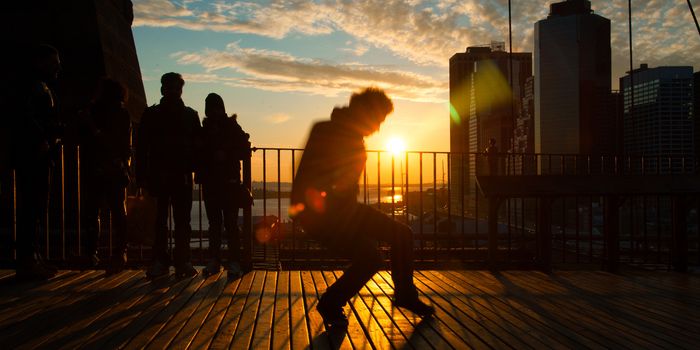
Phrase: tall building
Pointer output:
(572, 85)
(480, 103)
(524, 133)
(660, 123)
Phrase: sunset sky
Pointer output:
(283, 64)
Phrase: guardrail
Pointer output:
(435, 193)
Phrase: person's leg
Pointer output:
(160, 241)
(376, 225)
(182, 207)
(116, 202)
(212, 204)
(32, 199)
(90, 207)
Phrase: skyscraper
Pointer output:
(661, 121)
(480, 104)
(572, 81)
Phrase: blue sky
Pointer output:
(283, 64)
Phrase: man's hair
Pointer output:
(373, 100)
(172, 78)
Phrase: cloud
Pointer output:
(279, 71)
(428, 33)
(277, 118)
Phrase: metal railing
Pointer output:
(435, 193)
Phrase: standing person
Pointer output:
(324, 200)
(492, 156)
(104, 136)
(35, 132)
(165, 160)
(224, 144)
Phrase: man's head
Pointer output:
(171, 85)
(369, 108)
(46, 62)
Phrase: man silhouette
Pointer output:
(324, 201)
(165, 160)
(35, 131)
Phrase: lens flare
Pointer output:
(396, 145)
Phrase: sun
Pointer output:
(396, 145)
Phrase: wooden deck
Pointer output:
(275, 310)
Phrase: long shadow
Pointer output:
(425, 325)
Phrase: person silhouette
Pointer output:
(324, 202)
(224, 145)
(492, 156)
(166, 146)
(35, 131)
(104, 132)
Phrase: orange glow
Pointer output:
(396, 145)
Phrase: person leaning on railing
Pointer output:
(224, 144)
(324, 201)
(35, 131)
(104, 134)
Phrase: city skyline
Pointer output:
(281, 66)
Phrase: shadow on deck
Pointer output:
(269, 310)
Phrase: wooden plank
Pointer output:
(178, 317)
(149, 315)
(443, 325)
(263, 322)
(82, 332)
(48, 314)
(194, 323)
(6, 275)
(205, 336)
(462, 322)
(229, 323)
(244, 331)
(621, 304)
(425, 332)
(26, 303)
(543, 320)
(607, 317)
(12, 288)
(281, 336)
(369, 323)
(319, 338)
(518, 319)
(299, 326)
(88, 318)
(568, 312)
(355, 332)
(513, 326)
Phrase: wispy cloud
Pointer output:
(277, 118)
(279, 71)
(427, 32)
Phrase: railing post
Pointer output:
(544, 230)
(679, 251)
(611, 232)
(494, 203)
(247, 215)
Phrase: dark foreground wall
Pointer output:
(93, 37)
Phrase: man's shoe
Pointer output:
(416, 306)
(33, 271)
(212, 268)
(234, 270)
(157, 269)
(333, 316)
(185, 270)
